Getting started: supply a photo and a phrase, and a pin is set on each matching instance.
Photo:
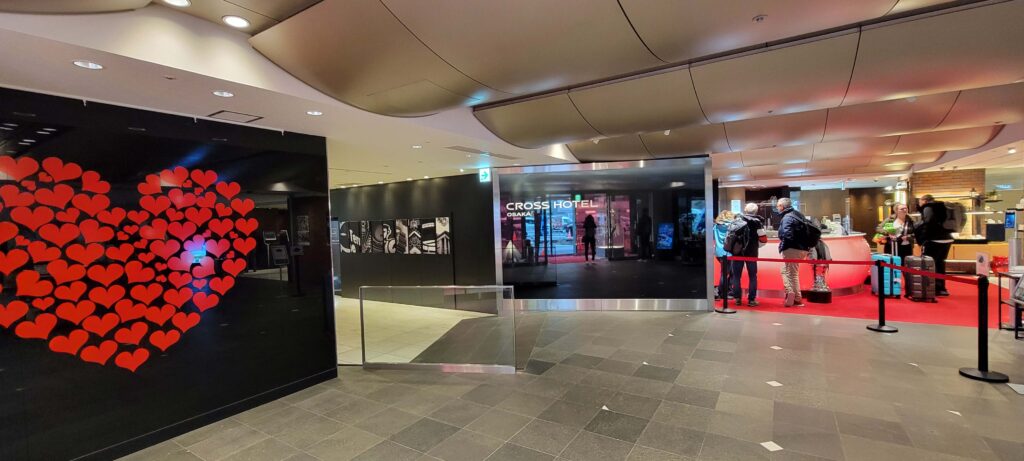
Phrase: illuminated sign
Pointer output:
(484, 175)
(516, 209)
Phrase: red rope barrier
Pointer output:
(951, 278)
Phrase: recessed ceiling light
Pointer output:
(426, 177)
(668, 132)
(6, 128)
(515, 164)
(408, 179)
(49, 129)
(42, 132)
(380, 182)
(759, 18)
(220, 139)
(462, 170)
(25, 144)
(179, 3)
(136, 128)
(223, 94)
(237, 22)
(1012, 150)
(10, 124)
(87, 64)
(417, 146)
(28, 140)
(314, 113)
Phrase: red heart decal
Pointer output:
(69, 344)
(176, 249)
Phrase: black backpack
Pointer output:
(806, 231)
(737, 238)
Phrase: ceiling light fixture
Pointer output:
(1012, 150)
(759, 18)
(668, 132)
(380, 182)
(87, 64)
(42, 132)
(10, 124)
(417, 146)
(237, 22)
(6, 128)
(314, 113)
(462, 170)
(29, 140)
(408, 179)
(426, 177)
(179, 3)
(49, 129)
(224, 94)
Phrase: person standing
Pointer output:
(792, 245)
(721, 230)
(643, 232)
(747, 236)
(898, 229)
(589, 238)
(934, 236)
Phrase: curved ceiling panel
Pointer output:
(537, 122)
(70, 6)
(965, 138)
(682, 30)
(648, 103)
(726, 160)
(837, 166)
(610, 149)
(854, 148)
(807, 76)
(278, 10)
(906, 160)
(527, 46)
(886, 118)
(971, 48)
(692, 140)
(780, 130)
(777, 155)
(357, 52)
(791, 170)
(987, 106)
(214, 10)
(903, 6)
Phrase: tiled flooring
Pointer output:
(395, 332)
(657, 386)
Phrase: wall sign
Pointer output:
(427, 236)
(484, 175)
(517, 209)
(110, 285)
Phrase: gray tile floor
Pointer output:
(657, 386)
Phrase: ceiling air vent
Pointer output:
(470, 150)
(236, 117)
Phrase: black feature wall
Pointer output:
(463, 198)
(98, 357)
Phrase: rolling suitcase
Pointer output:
(919, 287)
(891, 281)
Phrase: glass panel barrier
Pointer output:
(451, 328)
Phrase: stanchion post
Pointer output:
(725, 290)
(982, 373)
(881, 327)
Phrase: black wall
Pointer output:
(266, 338)
(464, 198)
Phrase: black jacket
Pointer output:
(932, 224)
(789, 232)
(754, 224)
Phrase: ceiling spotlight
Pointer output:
(10, 124)
(237, 22)
(179, 3)
(42, 132)
(25, 144)
(29, 140)
(408, 179)
(223, 94)
(759, 18)
(668, 132)
(314, 113)
(6, 128)
(49, 129)
(426, 177)
(1012, 150)
(417, 146)
(380, 182)
(87, 64)
(462, 170)
(596, 140)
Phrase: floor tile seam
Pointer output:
(302, 450)
(233, 452)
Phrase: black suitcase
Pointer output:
(918, 287)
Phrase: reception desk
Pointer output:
(842, 279)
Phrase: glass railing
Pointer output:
(449, 328)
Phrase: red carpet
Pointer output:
(959, 309)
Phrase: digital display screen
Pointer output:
(665, 234)
(1011, 221)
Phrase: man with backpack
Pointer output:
(935, 234)
(745, 236)
(797, 235)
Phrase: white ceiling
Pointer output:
(139, 48)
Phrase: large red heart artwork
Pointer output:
(108, 285)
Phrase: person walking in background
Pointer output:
(721, 232)
(746, 236)
(793, 244)
(934, 236)
(643, 232)
(589, 238)
(898, 230)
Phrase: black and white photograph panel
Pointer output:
(388, 236)
(377, 237)
(442, 229)
(401, 236)
(365, 241)
(415, 245)
(428, 235)
(348, 233)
